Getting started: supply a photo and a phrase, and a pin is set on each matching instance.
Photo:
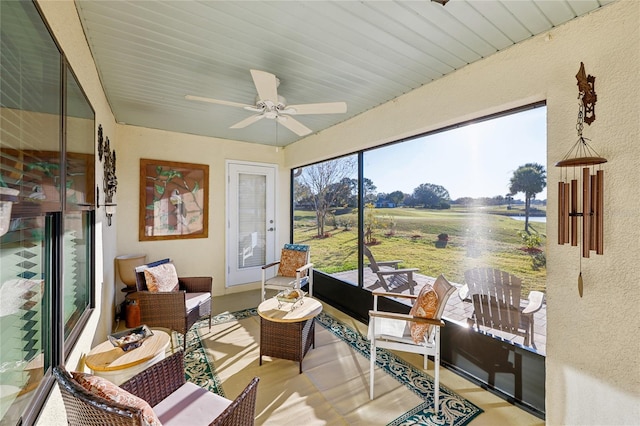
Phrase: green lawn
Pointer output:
(477, 238)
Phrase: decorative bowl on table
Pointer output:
(130, 339)
(290, 296)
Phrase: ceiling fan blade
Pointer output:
(216, 101)
(247, 121)
(294, 125)
(266, 85)
(322, 108)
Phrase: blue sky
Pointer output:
(477, 160)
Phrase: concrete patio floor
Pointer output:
(459, 311)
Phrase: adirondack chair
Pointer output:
(496, 301)
(389, 276)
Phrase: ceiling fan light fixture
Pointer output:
(289, 110)
(269, 104)
(442, 2)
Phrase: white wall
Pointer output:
(195, 256)
(593, 376)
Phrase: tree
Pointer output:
(430, 195)
(396, 197)
(529, 179)
(343, 192)
(369, 190)
(323, 180)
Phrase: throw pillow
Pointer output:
(162, 278)
(107, 390)
(426, 306)
(290, 260)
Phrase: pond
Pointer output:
(541, 219)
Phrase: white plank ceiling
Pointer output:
(150, 54)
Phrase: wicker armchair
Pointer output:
(174, 400)
(175, 310)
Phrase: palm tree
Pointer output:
(530, 179)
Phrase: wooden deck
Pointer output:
(459, 311)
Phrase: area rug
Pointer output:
(454, 409)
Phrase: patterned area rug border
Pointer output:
(454, 409)
(199, 369)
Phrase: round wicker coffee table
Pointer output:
(287, 333)
(114, 364)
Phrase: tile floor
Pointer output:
(496, 410)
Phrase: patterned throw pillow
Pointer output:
(290, 260)
(162, 278)
(107, 390)
(426, 306)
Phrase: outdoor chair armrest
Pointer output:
(463, 293)
(406, 317)
(305, 267)
(401, 295)
(393, 263)
(535, 303)
(399, 271)
(270, 265)
(196, 284)
(158, 381)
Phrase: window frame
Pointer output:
(55, 348)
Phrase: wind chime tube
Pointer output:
(561, 213)
(586, 211)
(567, 190)
(600, 212)
(593, 209)
(574, 212)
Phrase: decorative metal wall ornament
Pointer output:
(100, 142)
(109, 179)
(590, 179)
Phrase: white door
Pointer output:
(250, 220)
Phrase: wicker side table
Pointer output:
(286, 333)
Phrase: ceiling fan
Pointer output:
(274, 107)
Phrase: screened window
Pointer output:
(441, 203)
(325, 204)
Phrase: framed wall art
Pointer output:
(174, 200)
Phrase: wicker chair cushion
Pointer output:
(107, 390)
(190, 405)
(426, 306)
(162, 278)
(290, 260)
(193, 300)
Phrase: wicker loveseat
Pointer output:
(163, 386)
(175, 310)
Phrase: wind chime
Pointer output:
(582, 182)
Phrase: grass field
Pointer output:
(477, 238)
